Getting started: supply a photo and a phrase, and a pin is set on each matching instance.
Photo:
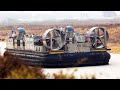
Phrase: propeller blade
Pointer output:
(98, 32)
(102, 36)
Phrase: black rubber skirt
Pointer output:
(64, 60)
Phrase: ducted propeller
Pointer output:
(53, 39)
(99, 37)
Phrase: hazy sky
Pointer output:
(56, 15)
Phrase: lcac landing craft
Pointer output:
(60, 47)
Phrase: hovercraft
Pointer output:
(60, 48)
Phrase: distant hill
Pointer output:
(10, 21)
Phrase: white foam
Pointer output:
(2, 48)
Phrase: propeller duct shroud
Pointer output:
(99, 37)
(54, 39)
